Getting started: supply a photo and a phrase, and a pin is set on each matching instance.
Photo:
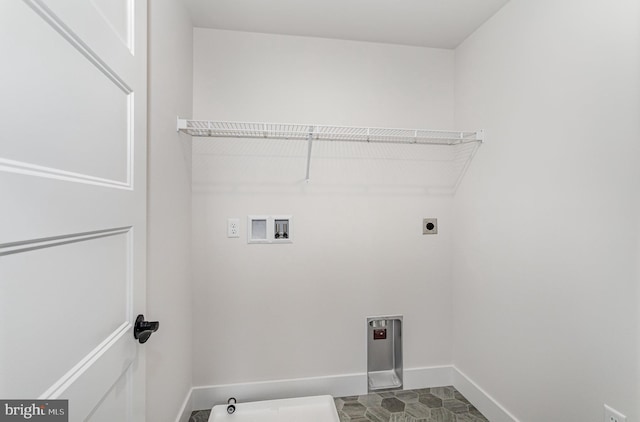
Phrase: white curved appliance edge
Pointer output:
(308, 409)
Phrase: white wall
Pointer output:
(169, 220)
(545, 249)
(298, 310)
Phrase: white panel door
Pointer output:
(72, 204)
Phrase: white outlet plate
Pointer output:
(612, 415)
(233, 227)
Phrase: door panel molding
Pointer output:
(128, 37)
(61, 385)
(21, 167)
(117, 124)
(56, 23)
(33, 244)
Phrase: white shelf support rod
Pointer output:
(466, 165)
(309, 145)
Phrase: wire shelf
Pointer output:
(219, 129)
(310, 133)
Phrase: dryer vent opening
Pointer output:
(384, 353)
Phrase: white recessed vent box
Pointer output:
(270, 229)
(258, 230)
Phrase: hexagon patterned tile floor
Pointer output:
(438, 404)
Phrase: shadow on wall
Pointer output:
(279, 166)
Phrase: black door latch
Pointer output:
(142, 329)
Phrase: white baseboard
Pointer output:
(336, 385)
(205, 397)
(432, 376)
(187, 407)
(486, 404)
